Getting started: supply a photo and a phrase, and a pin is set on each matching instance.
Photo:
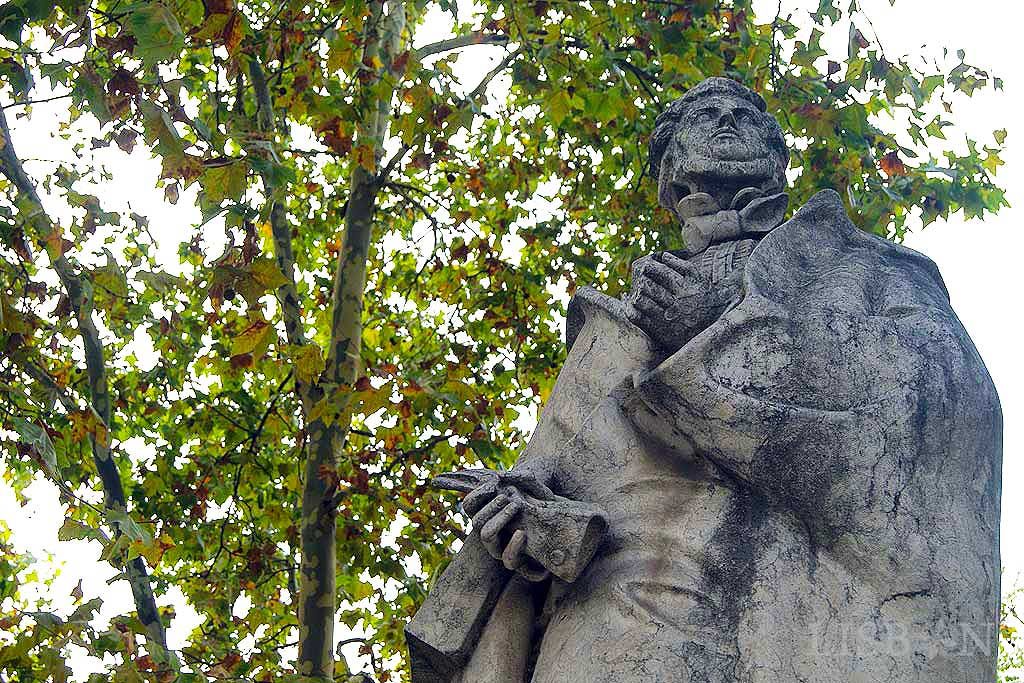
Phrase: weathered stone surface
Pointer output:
(789, 437)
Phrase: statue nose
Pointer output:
(727, 119)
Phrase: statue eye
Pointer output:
(702, 115)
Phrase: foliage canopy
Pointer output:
(374, 294)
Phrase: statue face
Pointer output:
(722, 128)
(718, 142)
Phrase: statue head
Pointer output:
(717, 139)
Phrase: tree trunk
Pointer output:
(318, 586)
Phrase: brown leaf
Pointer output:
(360, 480)
(186, 167)
(122, 42)
(242, 360)
(400, 62)
(171, 193)
(441, 112)
(422, 161)
(233, 33)
(341, 144)
(681, 16)
(123, 83)
(125, 139)
(810, 110)
(230, 660)
(219, 6)
(328, 475)
(892, 165)
(861, 41)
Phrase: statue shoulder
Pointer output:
(822, 229)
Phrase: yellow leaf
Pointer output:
(253, 340)
(54, 243)
(266, 273)
(559, 106)
(366, 158)
(308, 360)
(212, 27)
(224, 182)
(321, 410)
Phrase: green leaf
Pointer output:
(156, 30)
(15, 75)
(559, 105)
(36, 437)
(15, 14)
(47, 620)
(86, 611)
(111, 278)
(128, 526)
(224, 182)
(72, 530)
(159, 281)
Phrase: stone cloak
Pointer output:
(843, 398)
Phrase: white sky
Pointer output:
(978, 260)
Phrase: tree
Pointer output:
(387, 302)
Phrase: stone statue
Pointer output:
(778, 459)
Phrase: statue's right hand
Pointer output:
(668, 294)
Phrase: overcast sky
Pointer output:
(977, 259)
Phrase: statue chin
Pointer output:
(718, 176)
(755, 170)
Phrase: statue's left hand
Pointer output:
(494, 505)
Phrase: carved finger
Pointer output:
(668, 278)
(681, 266)
(479, 497)
(528, 483)
(512, 557)
(650, 311)
(657, 293)
(490, 533)
(637, 269)
(481, 518)
(635, 315)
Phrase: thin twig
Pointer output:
(27, 103)
(474, 38)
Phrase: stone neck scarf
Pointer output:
(750, 215)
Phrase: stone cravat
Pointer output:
(750, 215)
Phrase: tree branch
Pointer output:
(27, 103)
(287, 294)
(491, 75)
(481, 88)
(474, 38)
(80, 297)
